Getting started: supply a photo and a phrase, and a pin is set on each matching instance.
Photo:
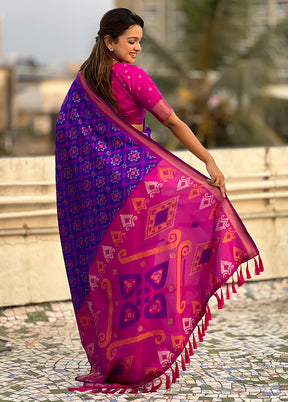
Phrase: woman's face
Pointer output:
(127, 45)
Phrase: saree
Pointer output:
(146, 243)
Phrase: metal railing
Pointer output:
(264, 186)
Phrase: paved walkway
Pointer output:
(244, 356)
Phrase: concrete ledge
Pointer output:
(32, 268)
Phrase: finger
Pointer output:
(212, 182)
(221, 185)
(223, 189)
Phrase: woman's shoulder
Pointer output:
(129, 69)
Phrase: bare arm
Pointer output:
(188, 139)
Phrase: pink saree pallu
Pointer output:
(146, 243)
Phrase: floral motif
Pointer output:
(133, 173)
(134, 155)
(116, 159)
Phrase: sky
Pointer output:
(51, 31)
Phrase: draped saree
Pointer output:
(146, 243)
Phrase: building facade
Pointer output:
(268, 14)
(163, 20)
(7, 107)
(160, 18)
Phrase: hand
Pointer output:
(217, 177)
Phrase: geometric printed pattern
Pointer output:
(204, 255)
(161, 217)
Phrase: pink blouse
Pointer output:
(135, 93)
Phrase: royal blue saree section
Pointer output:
(93, 182)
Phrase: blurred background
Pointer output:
(223, 66)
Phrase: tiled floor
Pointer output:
(244, 356)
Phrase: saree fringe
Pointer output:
(188, 349)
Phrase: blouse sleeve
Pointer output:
(147, 94)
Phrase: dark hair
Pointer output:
(97, 68)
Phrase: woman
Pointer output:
(147, 240)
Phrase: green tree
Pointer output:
(223, 42)
(219, 38)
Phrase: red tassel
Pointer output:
(114, 390)
(242, 276)
(233, 286)
(194, 342)
(80, 389)
(220, 306)
(261, 266)
(227, 291)
(257, 270)
(134, 390)
(240, 279)
(200, 337)
(107, 390)
(187, 358)
(209, 313)
(203, 329)
(191, 353)
(206, 321)
(248, 276)
(160, 383)
(222, 298)
(97, 390)
(177, 370)
(145, 390)
(124, 390)
(168, 383)
(173, 376)
(153, 389)
(183, 363)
